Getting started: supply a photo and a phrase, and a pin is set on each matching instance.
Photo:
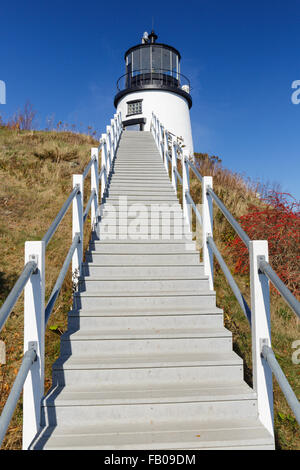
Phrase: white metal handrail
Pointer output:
(32, 281)
(16, 291)
(263, 358)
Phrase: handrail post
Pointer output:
(104, 162)
(155, 129)
(151, 124)
(77, 227)
(116, 130)
(186, 188)
(166, 160)
(34, 336)
(113, 138)
(157, 132)
(108, 149)
(162, 133)
(174, 165)
(261, 333)
(161, 141)
(207, 229)
(94, 185)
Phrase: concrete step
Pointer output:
(139, 166)
(154, 173)
(142, 259)
(94, 285)
(146, 199)
(158, 370)
(143, 170)
(142, 272)
(163, 300)
(128, 178)
(154, 218)
(143, 173)
(140, 192)
(147, 410)
(138, 199)
(145, 310)
(131, 342)
(135, 248)
(246, 434)
(142, 217)
(83, 320)
(101, 396)
(122, 205)
(140, 232)
(143, 236)
(147, 186)
(138, 163)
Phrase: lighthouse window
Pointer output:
(134, 107)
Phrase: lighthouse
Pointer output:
(153, 83)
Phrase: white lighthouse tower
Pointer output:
(153, 83)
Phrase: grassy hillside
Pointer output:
(35, 179)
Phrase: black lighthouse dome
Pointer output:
(151, 65)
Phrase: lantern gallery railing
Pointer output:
(263, 358)
(153, 77)
(32, 281)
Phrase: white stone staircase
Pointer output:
(146, 362)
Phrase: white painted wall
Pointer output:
(171, 109)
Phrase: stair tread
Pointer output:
(141, 334)
(142, 279)
(243, 433)
(134, 242)
(172, 293)
(148, 311)
(128, 361)
(71, 396)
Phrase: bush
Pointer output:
(278, 221)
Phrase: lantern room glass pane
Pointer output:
(174, 64)
(136, 60)
(128, 63)
(166, 60)
(156, 58)
(145, 59)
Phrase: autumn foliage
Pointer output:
(277, 220)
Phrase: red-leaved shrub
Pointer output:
(278, 221)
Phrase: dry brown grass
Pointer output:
(35, 179)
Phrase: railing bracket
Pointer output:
(34, 258)
(259, 259)
(263, 342)
(32, 346)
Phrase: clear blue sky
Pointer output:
(241, 57)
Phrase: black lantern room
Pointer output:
(151, 65)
